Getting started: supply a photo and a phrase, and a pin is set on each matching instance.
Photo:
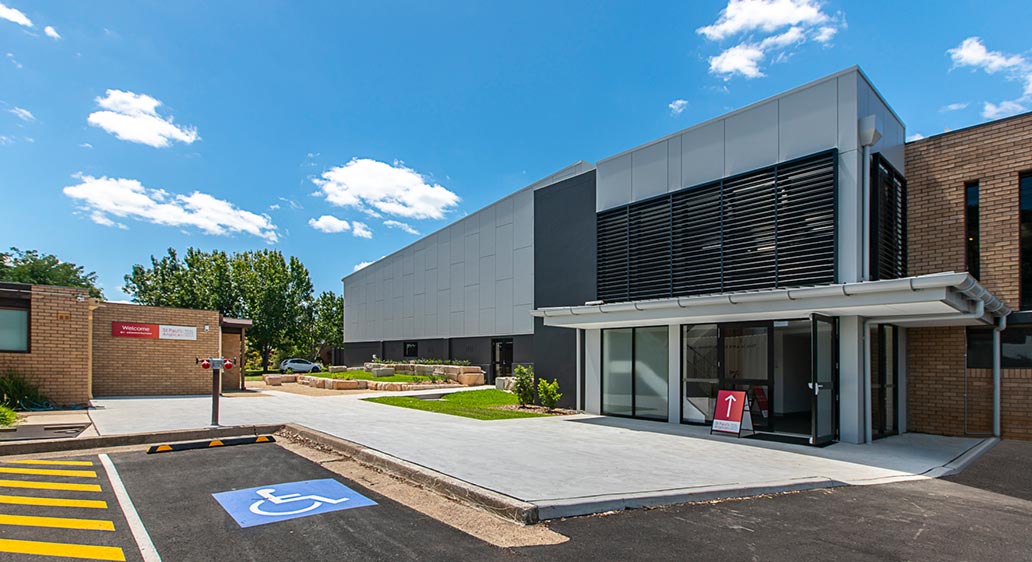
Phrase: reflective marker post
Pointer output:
(216, 365)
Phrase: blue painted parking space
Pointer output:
(262, 505)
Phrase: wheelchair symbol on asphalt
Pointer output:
(280, 502)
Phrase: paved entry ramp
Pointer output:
(173, 493)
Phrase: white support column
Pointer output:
(852, 424)
(577, 371)
(901, 381)
(674, 375)
(593, 371)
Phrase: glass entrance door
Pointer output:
(501, 358)
(823, 380)
(748, 366)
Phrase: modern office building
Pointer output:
(781, 249)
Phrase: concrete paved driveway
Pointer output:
(566, 466)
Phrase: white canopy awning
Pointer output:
(938, 299)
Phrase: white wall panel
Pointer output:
(751, 139)
(524, 282)
(847, 112)
(674, 163)
(808, 121)
(702, 154)
(649, 171)
(523, 228)
(613, 187)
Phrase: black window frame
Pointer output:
(17, 298)
(405, 349)
(981, 357)
(972, 224)
(634, 355)
(887, 235)
(1025, 242)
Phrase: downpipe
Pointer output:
(1001, 325)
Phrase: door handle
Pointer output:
(816, 388)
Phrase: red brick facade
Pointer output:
(58, 361)
(73, 355)
(937, 169)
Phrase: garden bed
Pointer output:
(487, 404)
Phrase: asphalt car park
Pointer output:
(201, 505)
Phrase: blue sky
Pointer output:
(334, 131)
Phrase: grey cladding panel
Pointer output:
(649, 174)
(702, 154)
(751, 139)
(808, 121)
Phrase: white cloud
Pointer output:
(405, 227)
(14, 16)
(274, 207)
(392, 189)
(329, 224)
(23, 114)
(954, 106)
(14, 61)
(104, 198)
(1003, 109)
(741, 59)
(51, 32)
(915, 137)
(677, 107)
(362, 265)
(293, 204)
(133, 117)
(361, 230)
(973, 53)
(766, 28)
(85, 145)
(6, 139)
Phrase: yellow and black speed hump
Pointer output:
(209, 443)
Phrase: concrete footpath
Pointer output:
(565, 466)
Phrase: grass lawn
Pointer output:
(252, 377)
(367, 376)
(476, 404)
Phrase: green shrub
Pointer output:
(18, 393)
(7, 416)
(548, 393)
(523, 384)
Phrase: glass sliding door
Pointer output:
(884, 398)
(700, 372)
(617, 371)
(651, 372)
(635, 372)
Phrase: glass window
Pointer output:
(651, 370)
(700, 370)
(411, 349)
(745, 352)
(1026, 241)
(971, 227)
(14, 329)
(617, 363)
(1015, 348)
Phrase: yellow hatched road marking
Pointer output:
(65, 550)
(57, 522)
(52, 463)
(30, 484)
(53, 502)
(49, 472)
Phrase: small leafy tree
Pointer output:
(523, 385)
(548, 393)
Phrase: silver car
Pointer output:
(297, 365)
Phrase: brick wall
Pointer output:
(141, 367)
(58, 361)
(938, 167)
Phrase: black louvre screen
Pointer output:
(770, 228)
(888, 252)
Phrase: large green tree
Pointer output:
(30, 266)
(273, 291)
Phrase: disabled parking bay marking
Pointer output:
(290, 500)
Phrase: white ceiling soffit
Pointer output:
(936, 299)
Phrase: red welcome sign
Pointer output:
(727, 415)
(131, 330)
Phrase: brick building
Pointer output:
(969, 195)
(74, 347)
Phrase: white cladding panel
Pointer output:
(472, 278)
(810, 119)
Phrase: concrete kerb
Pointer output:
(461, 491)
(965, 459)
(38, 446)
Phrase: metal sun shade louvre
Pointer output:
(770, 228)
(889, 228)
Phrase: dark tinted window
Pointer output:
(971, 229)
(1026, 241)
(1015, 348)
(411, 349)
